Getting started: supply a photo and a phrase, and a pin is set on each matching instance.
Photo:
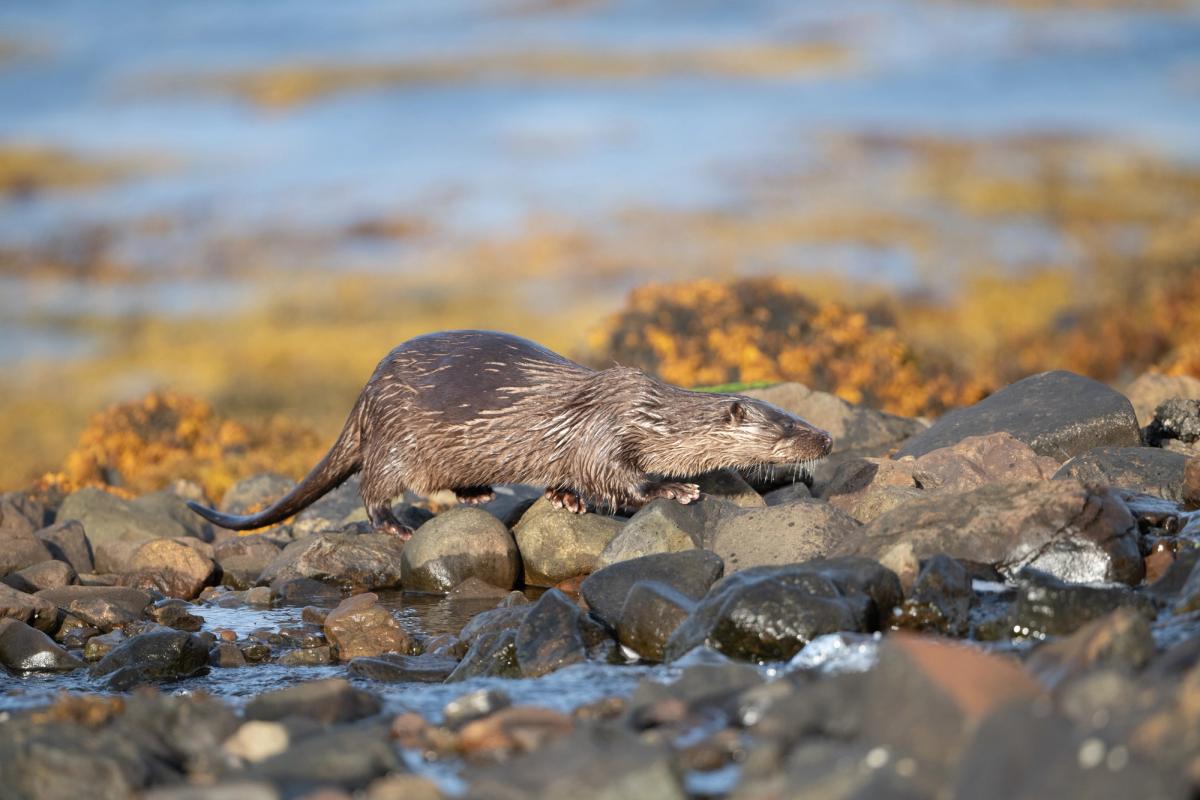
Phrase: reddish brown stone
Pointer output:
(361, 627)
(518, 729)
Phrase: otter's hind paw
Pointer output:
(565, 498)
(474, 495)
(679, 492)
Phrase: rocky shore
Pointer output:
(1003, 603)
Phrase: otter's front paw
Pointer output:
(396, 528)
(679, 492)
(565, 498)
(474, 495)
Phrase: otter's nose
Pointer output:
(826, 443)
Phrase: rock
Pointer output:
(256, 740)
(585, 765)
(359, 562)
(861, 486)
(475, 589)
(361, 627)
(176, 569)
(99, 646)
(650, 615)
(67, 542)
(43, 575)
(690, 572)
(940, 601)
(307, 656)
(168, 504)
(518, 729)
(472, 706)
(664, 526)
(728, 485)
(978, 460)
(63, 760)
(1152, 389)
(853, 428)
(19, 548)
(19, 513)
(875, 501)
(1061, 527)
(28, 608)
(404, 669)
(1120, 640)
(1175, 419)
(298, 591)
(26, 649)
(1058, 414)
(102, 607)
(107, 518)
(255, 493)
(173, 613)
(926, 696)
(456, 545)
(556, 544)
(243, 558)
(553, 634)
(226, 655)
(157, 655)
(492, 654)
(767, 614)
(113, 556)
(512, 501)
(1189, 592)
(1149, 470)
(783, 534)
(787, 494)
(341, 507)
(329, 702)
(348, 757)
(1051, 607)
(403, 787)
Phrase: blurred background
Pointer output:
(219, 216)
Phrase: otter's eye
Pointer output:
(737, 413)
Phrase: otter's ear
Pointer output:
(737, 412)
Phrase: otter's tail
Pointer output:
(339, 463)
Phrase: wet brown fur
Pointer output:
(465, 410)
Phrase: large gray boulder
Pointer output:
(456, 545)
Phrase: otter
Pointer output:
(465, 410)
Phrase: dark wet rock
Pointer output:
(64, 760)
(307, 656)
(787, 494)
(243, 558)
(359, 626)
(1120, 640)
(255, 493)
(26, 649)
(926, 696)
(1141, 469)
(492, 654)
(349, 758)
(97, 647)
(175, 569)
(182, 732)
(43, 575)
(518, 729)
(555, 634)
(586, 765)
(853, 427)
(473, 705)
(20, 548)
(858, 577)
(1176, 418)
(978, 460)
(359, 562)
(665, 526)
(404, 669)
(699, 690)
(784, 534)
(1046, 605)
(1189, 591)
(940, 601)
(1023, 751)
(1061, 527)
(67, 542)
(556, 544)
(768, 614)
(176, 614)
(650, 615)
(512, 501)
(689, 572)
(304, 590)
(456, 545)
(168, 504)
(157, 655)
(501, 618)
(108, 518)
(728, 485)
(329, 702)
(226, 655)
(28, 608)
(103, 607)
(1058, 414)
(476, 589)
(1152, 389)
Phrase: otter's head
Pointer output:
(755, 433)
